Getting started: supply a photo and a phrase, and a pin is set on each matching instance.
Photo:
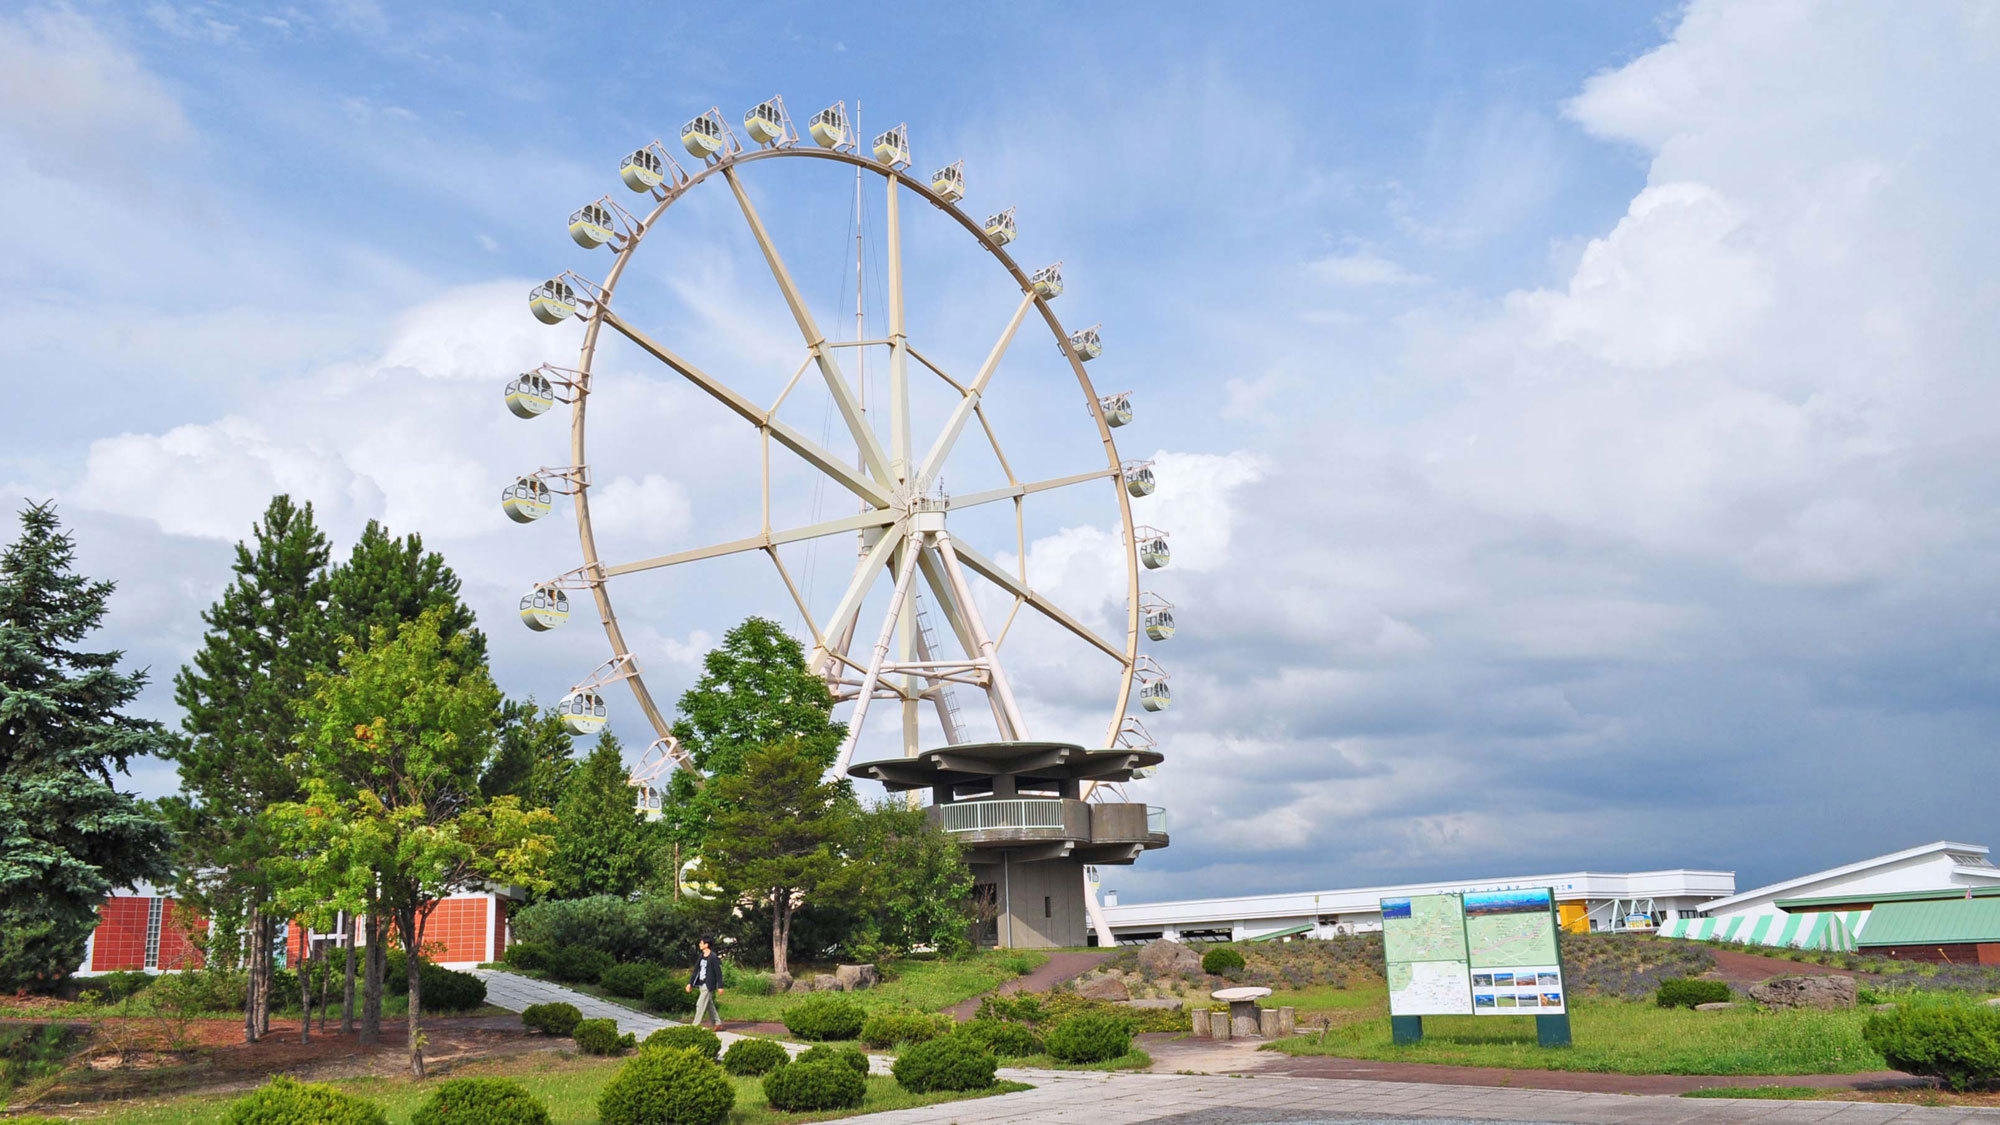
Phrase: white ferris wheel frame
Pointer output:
(896, 488)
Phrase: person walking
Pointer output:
(706, 983)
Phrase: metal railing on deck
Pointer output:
(980, 816)
(1156, 820)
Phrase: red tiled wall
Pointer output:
(457, 930)
(120, 941)
(499, 928)
(175, 951)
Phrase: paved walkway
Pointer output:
(1126, 1099)
(1057, 969)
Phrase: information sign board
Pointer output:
(1423, 941)
(1487, 953)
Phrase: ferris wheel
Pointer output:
(912, 537)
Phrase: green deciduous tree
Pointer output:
(603, 844)
(267, 634)
(918, 885)
(754, 692)
(777, 835)
(67, 836)
(393, 819)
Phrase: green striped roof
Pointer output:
(1934, 923)
(1281, 933)
(1887, 896)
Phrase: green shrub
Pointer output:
(814, 1086)
(1003, 1038)
(754, 1056)
(667, 1087)
(888, 1028)
(576, 964)
(669, 997)
(698, 1039)
(445, 990)
(846, 1056)
(1090, 1038)
(285, 1102)
(1681, 992)
(653, 929)
(600, 1037)
(527, 956)
(481, 1101)
(630, 981)
(1221, 959)
(1959, 1044)
(110, 988)
(552, 1019)
(945, 1063)
(825, 1016)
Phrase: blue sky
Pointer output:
(1575, 421)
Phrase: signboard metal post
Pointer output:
(1405, 1030)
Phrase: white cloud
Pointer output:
(78, 100)
(1364, 267)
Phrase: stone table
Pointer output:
(1242, 1008)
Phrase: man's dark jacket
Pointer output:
(714, 962)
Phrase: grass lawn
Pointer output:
(1769, 1093)
(1134, 1059)
(1620, 1037)
(928, 986)
(568, 1086)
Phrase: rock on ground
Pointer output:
(1165, 958)
(1104, 988)
(854, 978)
(1805, 992)
(1715, 1006)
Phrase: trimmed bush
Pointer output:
(1004, 1039)
(1221, 960)
(754, 1056)
(1958, 1044)
(552, 1019)
(481, 1101)
(110, 988)
(445, 990)
(1090, 1038)
(669, 996)
(630, 981)
(527, 956)
(888, 1028)
(667, 1087)
(600, 1037)
(699, 1039)
(575, 964)
(846, 1056)
(1681, 992)
(285, 1102)
(814, 1086)
(825, 1016)
(651, 929)
(945, 1063)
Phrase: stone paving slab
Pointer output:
(1172, 1099)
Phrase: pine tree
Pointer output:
(266, 634)
(755, 691)
(68, 838)
(603, 844)
(535, 758)
(387, 582)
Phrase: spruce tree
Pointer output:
(266, 634)
(68, 837)
(603, 844)
(534, 758)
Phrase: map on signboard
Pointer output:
(1423, 928)
(1430, 988)
(1506, 928)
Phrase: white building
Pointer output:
(1827, 909)
(1597, 899)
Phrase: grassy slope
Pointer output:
(1621, 1038)
(928, 986)
(568, 1086)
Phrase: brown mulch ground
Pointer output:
(1744, 969)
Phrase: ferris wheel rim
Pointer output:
(598, 581)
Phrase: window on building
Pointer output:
(155, 909)
(1048, 907)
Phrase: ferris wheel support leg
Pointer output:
(1095, 911)
(875, 660)
(1013, 728)
(841, 624)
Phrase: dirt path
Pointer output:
(1745, 969)
(1057, 969)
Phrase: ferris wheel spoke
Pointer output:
(876, 518)
(962, 413)
(974, 499)
(998, 575)
(836, 383)
(815, 454)
(840, 624)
